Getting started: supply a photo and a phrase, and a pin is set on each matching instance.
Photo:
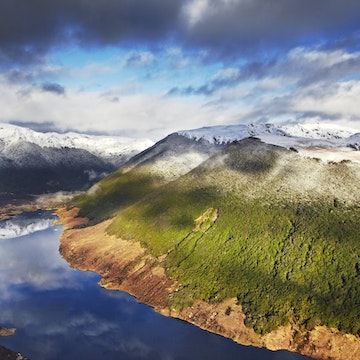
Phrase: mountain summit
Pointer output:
(258, 214)
(34, 162)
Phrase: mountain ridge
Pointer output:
(227, 133)
(253, 220)
(33, 162)
(106, 147)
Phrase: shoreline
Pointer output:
(125, 265)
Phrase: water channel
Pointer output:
(62, 313)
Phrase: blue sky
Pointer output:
(146, 68)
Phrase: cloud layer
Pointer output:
(29, 29)
(151, 67)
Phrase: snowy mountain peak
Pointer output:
(226, 134)
(325, 141)
(319, 131)
(105, 146)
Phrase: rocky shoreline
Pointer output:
(125, 265)
(6, 353)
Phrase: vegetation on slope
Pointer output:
(261, 224)
(114, 193)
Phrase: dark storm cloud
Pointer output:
(47, 126)
(53, 88)
(247, 25)
(17, 76)
(28, 29)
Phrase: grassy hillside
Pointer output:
(167, 160)
(115, 192)
(277, 231)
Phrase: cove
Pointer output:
(62, 313)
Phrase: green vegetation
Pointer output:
(286, 256)
(114, 193)
(290, 262)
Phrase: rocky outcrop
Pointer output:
(10, 355)
(6, 353)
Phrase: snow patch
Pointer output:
(175, 166)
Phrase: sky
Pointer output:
(146, 68)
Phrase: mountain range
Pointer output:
(32, 162)
(264, 214)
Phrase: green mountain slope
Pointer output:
(168, 159)
(258, 222)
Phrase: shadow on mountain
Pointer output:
(251, 156)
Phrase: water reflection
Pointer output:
(26, 223)
(62, 313)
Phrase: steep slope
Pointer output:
(258, 222)
(168, 159)
(273, 227)
(254, 221)
(32, 162)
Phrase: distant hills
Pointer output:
(32, 162)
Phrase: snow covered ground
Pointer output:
(325, 141)
(103, 146)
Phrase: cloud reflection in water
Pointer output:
(62, 313)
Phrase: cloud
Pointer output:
(27, 265)
(46, 126)
(148, 115)
(53, 88)
(143, 70)
(140, 59)
(236, 26)
(29, 30)
(299, 68)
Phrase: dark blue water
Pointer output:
(61, 313)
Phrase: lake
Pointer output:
(62, 313)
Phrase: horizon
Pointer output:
(147, 69)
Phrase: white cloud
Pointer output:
(305, 81)
(140, 114)
(227, 74)
(194, 10)
(342, 99)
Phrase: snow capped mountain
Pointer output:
(115, 149)
(353, 141)
(325, 141)
(230, 133)
(46, 162)
(34, 162)
(318, 131)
